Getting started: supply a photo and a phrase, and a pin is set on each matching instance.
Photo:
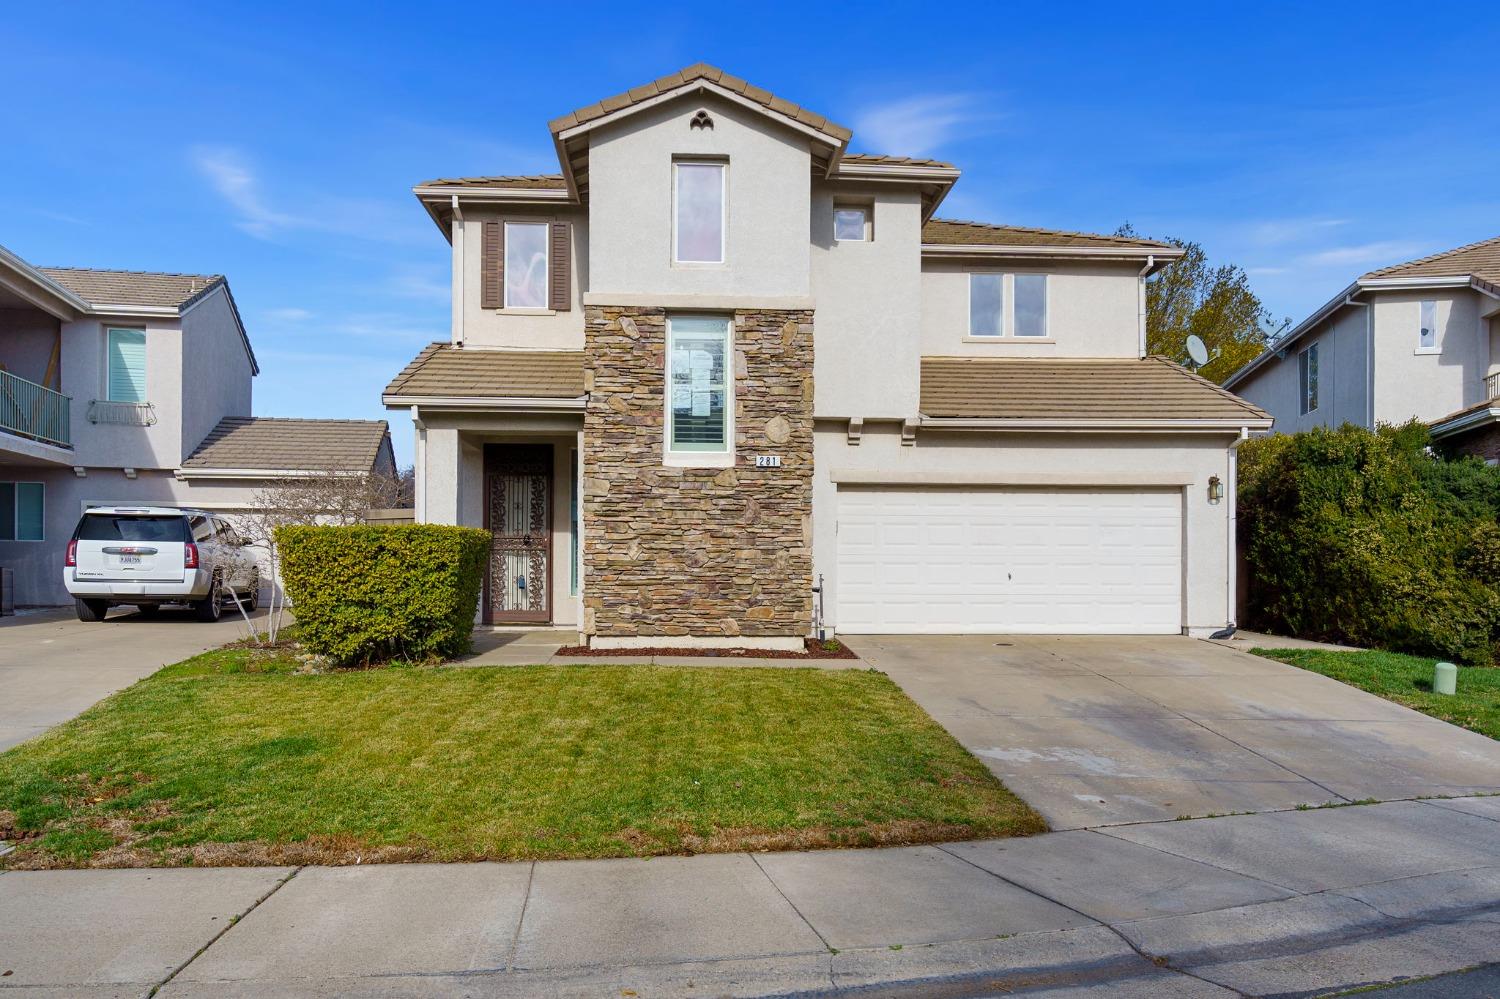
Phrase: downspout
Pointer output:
(1141, 311)
(1231, 495)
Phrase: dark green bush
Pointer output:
(1367, 537)
(366, 594)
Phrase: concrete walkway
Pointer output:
(1094, 730)
(52, 666)
(1277, 904)
(494, 647)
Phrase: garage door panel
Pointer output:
(998, 560)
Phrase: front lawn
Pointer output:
(1408, 680)
(233, 758)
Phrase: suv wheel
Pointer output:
(211, 607)
(91, 610)
(252, 595)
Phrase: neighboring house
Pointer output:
(720, 359)
(122, 387)
(1417, 340)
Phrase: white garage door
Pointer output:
(930, 561)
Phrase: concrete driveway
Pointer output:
(52, 666)
(1096, 731)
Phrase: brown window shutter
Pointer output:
(492, 266)
(560, 259)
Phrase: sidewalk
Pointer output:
(541, 648)
(1276, 903)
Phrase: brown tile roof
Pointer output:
(1481, 259)
(132, 287)
(444, 371)
(700, 71)
(1015, 388)
(951, 232)
(516, 182)
(277, 443)
(896, 160)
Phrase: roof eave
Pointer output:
(396, 400)
(40, 290)
(1161, 255)
(1466, 421)
(1057, 424)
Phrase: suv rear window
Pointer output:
(129, 527)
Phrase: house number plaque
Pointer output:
(768, 461)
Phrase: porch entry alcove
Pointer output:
(518, 484)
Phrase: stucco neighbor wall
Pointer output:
(1343, 377)
(1428, 386)
(697, 553)
(216, 376)
(1041, 459)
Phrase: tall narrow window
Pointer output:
(698, 205)
(697, 381)
(21, 511)
(573, 506)
(1307, 378)
(1031, 304)
(1427, 335)
(986, 304)
(525, 265)
(125, 378)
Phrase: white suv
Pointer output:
(149, 556)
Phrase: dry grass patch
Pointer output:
(235, 758)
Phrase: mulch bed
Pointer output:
(813, 649)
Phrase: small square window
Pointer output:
(851, 224)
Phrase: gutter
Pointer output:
(1460, 423)
(1162, 254)
(480, 403)
(1108, 425)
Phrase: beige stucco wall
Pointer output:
(1182, 461)
(1343, 376)
(1428, 386)
(1093, 310)
(869, 297)
(524, 329)
(630, 203)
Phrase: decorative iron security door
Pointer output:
(518, 499)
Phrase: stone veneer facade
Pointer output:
(697, 552)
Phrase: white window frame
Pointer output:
(866, 229)
(104, 394)
(1007, 334)
(969, 333)
(701, 459)
(15, 520)
(1436, 347)
(1308, 379)
(546, 228)
(1046, 333)
(723, 166)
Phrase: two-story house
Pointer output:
(124, 387)
(1419, 340)
(721, 375)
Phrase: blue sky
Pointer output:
(277, 143)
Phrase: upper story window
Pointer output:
(1307, 379)
(851, 223)
(526, 265)
(698, 210)
(698, 385)
(1427, 332)
(1031, 305)
(125, 365)
(986, 304)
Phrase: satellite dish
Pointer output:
(1197, 350)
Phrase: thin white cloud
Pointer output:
(1265, 271)
(232, 177)
(1364, 254)
(1278, 232)
(919, 125)
(288, 315)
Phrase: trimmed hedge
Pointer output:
(1367, 537)
(366, 594)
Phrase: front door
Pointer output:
(518, 513)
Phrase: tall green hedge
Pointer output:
(366, 594)
(1368, 537)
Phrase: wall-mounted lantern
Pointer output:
(1215, 489)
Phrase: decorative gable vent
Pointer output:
(701, 120)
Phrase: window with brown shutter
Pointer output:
(560, 260)
(491, 266)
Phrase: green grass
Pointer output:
(233, 758)
(1408, 680)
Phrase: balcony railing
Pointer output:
(1492, 387)
(35, 411)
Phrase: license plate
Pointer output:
(130, 560)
